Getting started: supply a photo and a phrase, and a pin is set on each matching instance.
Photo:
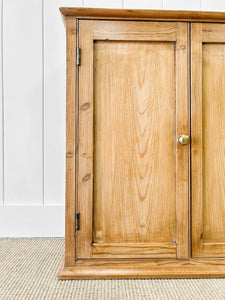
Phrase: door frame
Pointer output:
(90, 30)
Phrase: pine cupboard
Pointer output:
(145, 157)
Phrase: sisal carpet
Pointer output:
(28, 269)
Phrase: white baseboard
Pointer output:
(32, 221)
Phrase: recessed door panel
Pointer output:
(214, 142)
(134, 168)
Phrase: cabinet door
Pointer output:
(208, 140)
(132, 176)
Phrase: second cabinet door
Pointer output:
(208, 139)
(132, 175)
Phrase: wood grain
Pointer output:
(213, 33)
(149, 269)
(160, 263)
(134, 116)
(196, 142)
(134, 31)
(85, 152)
(132, 176)
(208, 146)
(214, 250)
(214, 143)
(133, 201)
(182, 153)
(134, 250)
(144, 14)
(70, 143)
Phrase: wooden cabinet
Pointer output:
(145, 167)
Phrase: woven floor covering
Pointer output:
(28, 269)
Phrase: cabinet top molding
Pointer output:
(143, 14)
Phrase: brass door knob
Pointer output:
(183, 139)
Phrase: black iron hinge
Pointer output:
(77, 221)
(78, 56)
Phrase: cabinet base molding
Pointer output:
(190, 268)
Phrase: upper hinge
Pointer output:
(77, 221)
(78, 56)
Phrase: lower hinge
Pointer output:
(77, 221)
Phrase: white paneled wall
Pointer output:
(145, 4)
(32, 109)
(23, 103)
(54, 105)
(182, 4)
(103, 3)
(1, 125)
(213, 5)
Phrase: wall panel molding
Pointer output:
(143, 4)
(54, 110)
(22, 47)
(216, 5)
(103, 3)
(1, 116)
(32, 221)
(182, 4)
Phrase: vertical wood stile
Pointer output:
(85, 152)
(70, 143)
(182, 164)
(196, 128)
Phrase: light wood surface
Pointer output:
(208, 134)
(132, 176)
(146, 14)
(150, 269)
(213, 250)
(134, 31)
(85, 147)
(134, 116)
(160, 263)
(134, 89)
(134, 250)
(70, 143)
(213, 33)
(182, 153)
(196, 138)
(213, 137)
